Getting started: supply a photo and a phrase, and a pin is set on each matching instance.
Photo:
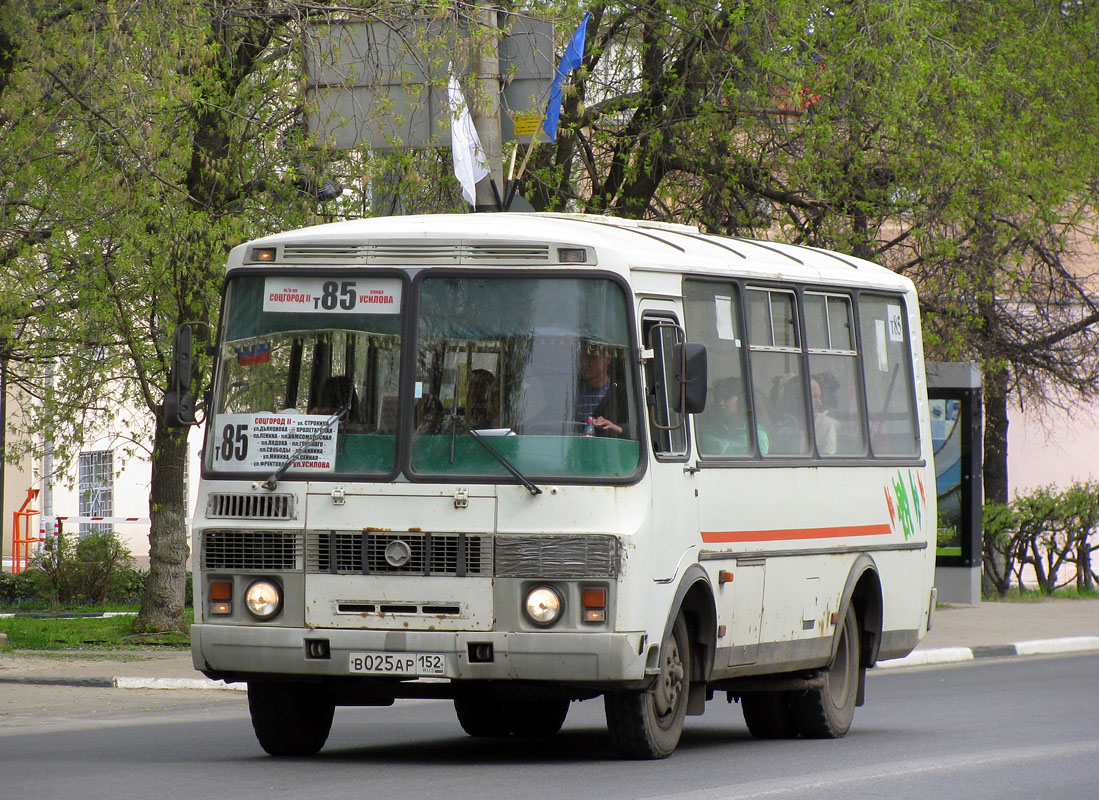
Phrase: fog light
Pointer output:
(263, 599)
(543, 605)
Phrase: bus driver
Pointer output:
(601, 399)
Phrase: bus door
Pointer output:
(674, 498)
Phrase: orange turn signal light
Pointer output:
(595, 598)
(595, 605)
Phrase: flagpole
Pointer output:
(522, 170)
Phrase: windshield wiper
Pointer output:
(519, 476)
(272, 482)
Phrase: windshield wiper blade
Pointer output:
(272, 482)
(519, 476)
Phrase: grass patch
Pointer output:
(26, 632)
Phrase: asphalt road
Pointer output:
(1021, 727)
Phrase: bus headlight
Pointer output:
(263, 599)
(543, 605)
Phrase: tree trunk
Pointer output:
(996, 577)
(995, 441)
(162, 605)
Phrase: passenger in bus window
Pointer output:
(724, 431)
(827, 429)
(789, 426)
(600, 398)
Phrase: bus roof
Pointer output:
(534, 239)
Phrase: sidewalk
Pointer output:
(998, 629)
(959, 633)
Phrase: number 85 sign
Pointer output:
(331, 295)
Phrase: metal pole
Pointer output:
(485, 109)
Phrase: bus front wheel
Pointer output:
(826, 713)
(648, 724)
(290, 719)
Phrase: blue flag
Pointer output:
(570, 60)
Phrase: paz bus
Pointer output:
(516, 461)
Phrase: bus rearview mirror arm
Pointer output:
(179, 402)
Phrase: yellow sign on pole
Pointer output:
(527, 124)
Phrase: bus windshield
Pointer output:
(537, 366)
(310, 378)
(309, 373)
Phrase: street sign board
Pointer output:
(383, 85)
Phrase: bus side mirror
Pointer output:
(179, 403)
(690, 361)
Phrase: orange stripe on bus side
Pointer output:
(713, 537)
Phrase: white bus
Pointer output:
(521, 460)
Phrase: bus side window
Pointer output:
(886, 362)
(725, 428)
(833, 375)
(774, 348)
(666, 426)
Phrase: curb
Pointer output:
(949, 655)
(204, 684)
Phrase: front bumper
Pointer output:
(238, 652)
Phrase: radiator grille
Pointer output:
(557, 556)
(250, 506)
(354, 552)
(252, 550)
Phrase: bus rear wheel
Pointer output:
(537, 719)
(648, 724)
(768, 715)
(290, 719)
(826, 713)
(490, 716)
(481, 715)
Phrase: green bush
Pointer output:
(128, 585)
(22, 588)
(1046, 530)
(83, 569)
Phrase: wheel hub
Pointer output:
(670, 685)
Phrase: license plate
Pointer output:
(425, 664)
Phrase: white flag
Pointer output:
(470, 164)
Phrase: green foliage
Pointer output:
(22, 588)
(84, 569)
(1038, 535)
(33, 590)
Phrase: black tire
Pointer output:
(481, 715)
(490, 716)
(290, 719)
(768, 715)
(538, 719)
(826, 713)
(648, 724)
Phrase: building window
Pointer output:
(96, 485)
